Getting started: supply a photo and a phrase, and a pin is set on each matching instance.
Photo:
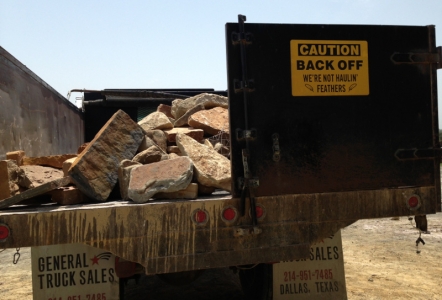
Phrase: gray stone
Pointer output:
(211, 168)
(95, 172)
(164, 176)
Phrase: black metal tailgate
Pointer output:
(332, 108)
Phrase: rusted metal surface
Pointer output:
(162, 237)
(33, 116)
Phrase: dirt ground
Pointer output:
(380, 258)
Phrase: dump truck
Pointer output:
(329, 124)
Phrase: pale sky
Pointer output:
(167, 44)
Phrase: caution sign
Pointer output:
(329, 68)
(320, 276)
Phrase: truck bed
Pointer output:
(163, 237)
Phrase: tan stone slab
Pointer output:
(67, 165)
(55, 161)
(212, 121)
(10, 178)
(17, 156)
(173, 149)
(184, 119)
(150, 155)
(38, 175)
(5, 188)
(196, 134)
(165, 109)
(158, 137)
(211, 168)
(179, 108)
(68, 195)
(95, 172)
(42, 189)
(191, 192)
(155, 120)
(124, 171)
(163, 176)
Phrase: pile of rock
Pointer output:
(179, 151)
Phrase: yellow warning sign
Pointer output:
(329, 68)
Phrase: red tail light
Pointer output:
(414, 202)
(4, 232)
(229, 214)
(200, 217)
(260, 211)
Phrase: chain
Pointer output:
(419, 239)
(16, 256)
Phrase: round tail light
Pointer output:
(260, 211)
(229, 214)
(414, 202)
(4, 232)
(200, 217)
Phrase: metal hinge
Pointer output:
(419, 58)
(242, 37)
(407, 154)
(248, 135)
(244, 86)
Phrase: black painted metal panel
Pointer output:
(334, 143)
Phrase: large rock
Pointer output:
(68, 195)
(164, 176)
(126, 167)
(179, 108)
(155, 120)
(196, 134)
(67, 165)
(9, 177)
(159, 138)
(146, 143)
(184, 119)
(95, 171)
(55, 161)
(211, 168)
(212, 121)
(191, 192)
(39, 175)
(17, 156)
(148, 156)
(165, 109)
